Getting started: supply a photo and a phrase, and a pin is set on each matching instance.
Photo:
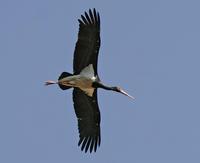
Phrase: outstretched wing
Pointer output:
(88, 115)
(88, 44)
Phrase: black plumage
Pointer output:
(85, 81)
(87, 112)
(88, 44)
(86, 108)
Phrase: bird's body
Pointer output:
(85, 81)
(82, 80)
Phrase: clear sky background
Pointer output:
(149, 48)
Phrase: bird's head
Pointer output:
(120, 90)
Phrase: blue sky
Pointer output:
(149, 48)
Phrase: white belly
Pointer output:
(79, 81)
(83, 81)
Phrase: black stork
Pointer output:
(85, 81)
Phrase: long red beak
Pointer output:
(126, 94)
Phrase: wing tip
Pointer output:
(89, 144)
(90, 17)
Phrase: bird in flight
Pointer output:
(85, 81)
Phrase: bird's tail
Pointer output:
(64, 75)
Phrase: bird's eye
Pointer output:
(118, 88)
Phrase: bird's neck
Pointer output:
(101, 85)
